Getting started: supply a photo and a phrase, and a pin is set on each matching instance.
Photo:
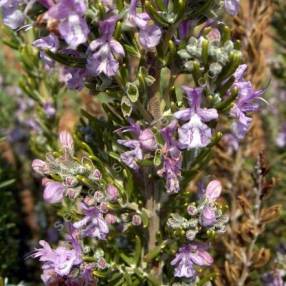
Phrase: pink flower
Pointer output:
(53, 192)
(213, 190)
(40, 166)
(189, 256)
(66, 141)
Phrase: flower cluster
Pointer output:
(170, 77)
(65, 263)
(205, 216)
(92, 213)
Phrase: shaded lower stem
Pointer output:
(153, 206)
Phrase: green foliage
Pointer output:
(9, 223)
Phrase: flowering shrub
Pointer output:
(171, 83)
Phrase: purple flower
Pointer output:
(185, 28)
(172, 159)
(93, 224)
(231, 141)
(273, 278)
(195, 133)
(281, 137)
(73, 77)
(149, 34)
(213, 190)
(246, 102)
(130, 158)
(49, 109)
(105, 50)
(53, 192)
(57, 261)
(13, 17)
(40, 167)
(136, 220)
(73, 237)
(66, 141)
(73, 27)
(147, 140)
(51, 43)
(112, 193)
(74, 30)
(232, 6)
(144, 141)
(208, 216)
(189, 256)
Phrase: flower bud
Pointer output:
(125, 217)
(95, 175)
(147, 140)
(191, 234)
(208, 216)
(110, 219)
(66, 141)
(101, 263)
(136, 219)
(49, 109)
(40, 167)
(192, 210)
(89, 201)
(214, 35)
(70, 181)
(73, 193)
(98, 196)
(112, 193)
(213, 190)
(103, 207)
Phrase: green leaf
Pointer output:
(152, 253)
(145, 218)
(128, 260)
(128, 279)
(138, 250)
(228, 70)
(120, 282)
(99, 273)
(115, 276)
(126, 106)
(132, 51)
(149, 80)
(164, 80)
(180, 8)
(205, 51)
(157, 158)
(67, 59)
(153, 13)
(7, 183)
(130, 184)
(154, 280)
(132, 92)
(228, 102)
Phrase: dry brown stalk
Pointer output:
(248, 218)
(251, 27)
